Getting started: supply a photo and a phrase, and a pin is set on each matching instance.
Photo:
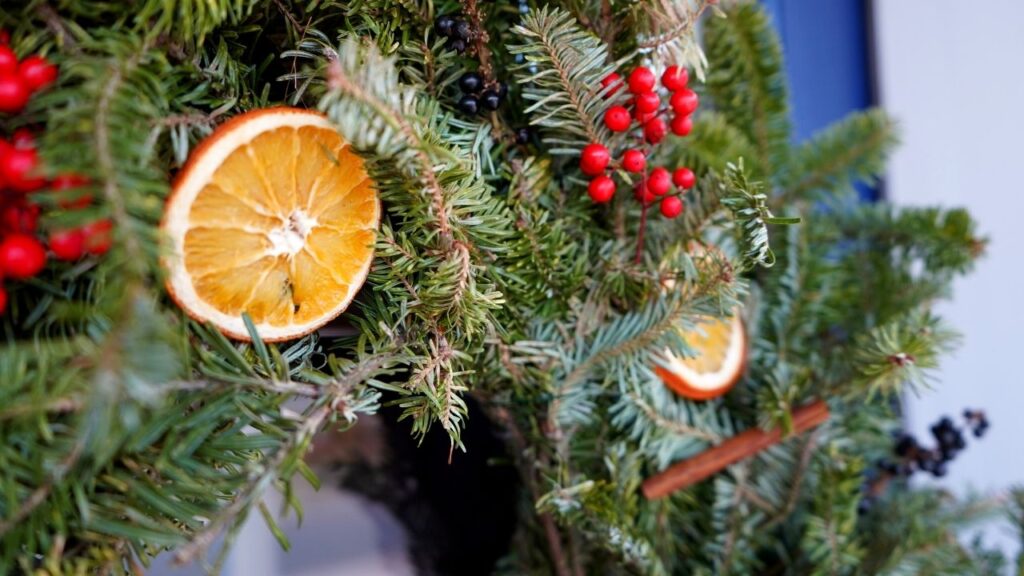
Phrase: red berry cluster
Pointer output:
(23, 253)
(648, 119)
(20, 80)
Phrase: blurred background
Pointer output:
(949, 72)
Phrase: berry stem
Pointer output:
(480, 39)
(643, 222)
(643, 202)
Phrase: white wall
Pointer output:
(951, 73)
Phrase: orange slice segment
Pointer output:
(274, 216)
(720, 347)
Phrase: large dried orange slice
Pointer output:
(275, 216)
(720, 356)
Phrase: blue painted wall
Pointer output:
(827, 46)
(825, 43)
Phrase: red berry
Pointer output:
(67, 245)
(23, 219)
(37, 72)
(671, 207)
(594, 159)
(17, 168)
(644, 195)
(647, 102)
(601, 189)
(681, 125)
(609, 80)
(659, 181)
(8, 60)
(641, 80)
(617, 119)
(634, 161)
(13, 93)
(3, 299)
(684, 178)
(685, 102)
(654, 130)
(643, 117)
(5, 37)
(21, 256)
(23, 138)
(97, 237)
(675, 78)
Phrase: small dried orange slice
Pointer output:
(273, 215)
(720, 346)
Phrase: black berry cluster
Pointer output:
(476, 96)
(455, 29)
(910, 456)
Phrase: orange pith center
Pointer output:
(283, 227)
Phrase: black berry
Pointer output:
(490, 99)
(523, 136)
(502, 90)
(457, 44)
(469, 104)
(905, 444)
(443, 25)
(471, 82)
(888, 466)
(461, 30)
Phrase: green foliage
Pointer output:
(746, 82)
(565, 95)
(129, 430)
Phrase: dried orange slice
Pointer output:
(720, 345)
(273, 215)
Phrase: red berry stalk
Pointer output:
(647, 119)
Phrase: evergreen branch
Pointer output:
(713, 144)
(670, 31)
(262, 474)
(40, 494)
(565, 89)
(901, 353)
(389, 102)
(106, 163)
(750, 210)
(856, 148)
(673, 426)
(259, 479)
(747, 83)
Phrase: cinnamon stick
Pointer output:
(744, 445)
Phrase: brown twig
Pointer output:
(731, 451)
(798, 477)
(520, 447)
(480, 39)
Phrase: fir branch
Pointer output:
(42, 492)
(747, 83)
(854, 149)
(342, 399)
(749, 206)
(565, 90)
(106, 164)
(389, 103)
(901, 354)
(670, 31)
(672, 426)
